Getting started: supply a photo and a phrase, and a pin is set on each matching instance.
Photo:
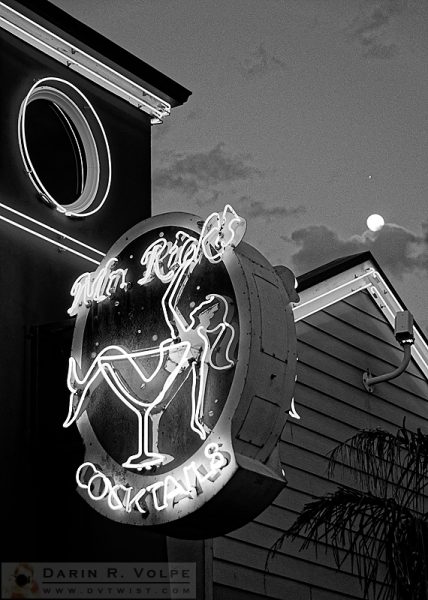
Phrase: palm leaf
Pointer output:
(384, 518)
(387, 464)
(354, 524)
(362, 527)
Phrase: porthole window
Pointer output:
(64, 147)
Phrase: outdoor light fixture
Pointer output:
(403, 332)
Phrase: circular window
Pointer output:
(64, 147)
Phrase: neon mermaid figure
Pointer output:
(190, 347)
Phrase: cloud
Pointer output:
(375, 49)
(260, 62)
(191, 173)
(195, 114)
(256, 208)
(369, 29)
(397, 249)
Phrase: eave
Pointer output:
(342, 278)
(47, 28)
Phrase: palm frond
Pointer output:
(353, 524)
(383, 518)
(386, 464)
(408, 558)
(363, 528)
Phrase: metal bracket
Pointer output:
(369, 381)
(403, 332)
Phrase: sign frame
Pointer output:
(239, 462)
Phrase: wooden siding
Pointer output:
(335, 347)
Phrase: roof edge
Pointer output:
(85, 40)
(346, 276)
(331, 268)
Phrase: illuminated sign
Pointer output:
(57, 238)
(181, 375)
(94, 153)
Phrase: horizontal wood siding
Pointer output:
(335, 347)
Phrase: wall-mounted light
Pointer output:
(403, 332)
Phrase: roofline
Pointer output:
(333, 268)
(70, 42)
(346, 276)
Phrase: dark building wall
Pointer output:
(127, 131)
(335, 347)
(35, 283)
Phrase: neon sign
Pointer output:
(158, 496)
(49, 234)
(72, 103)
(86, 290)
(168, 332)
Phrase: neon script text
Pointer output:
(220, 232)
(90, 287)
(163, 494)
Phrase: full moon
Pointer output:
(375, 222)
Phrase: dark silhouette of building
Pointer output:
(75, 173)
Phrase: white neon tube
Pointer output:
(377, 288)
(93, 74)
(339, 287)
(293, 412)
(56, 231)
(43, 237)
(32, 173)
(189, 346)
(419, 348)
(86, 290)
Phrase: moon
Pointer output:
(375, 222)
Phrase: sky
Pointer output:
(306, 116)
